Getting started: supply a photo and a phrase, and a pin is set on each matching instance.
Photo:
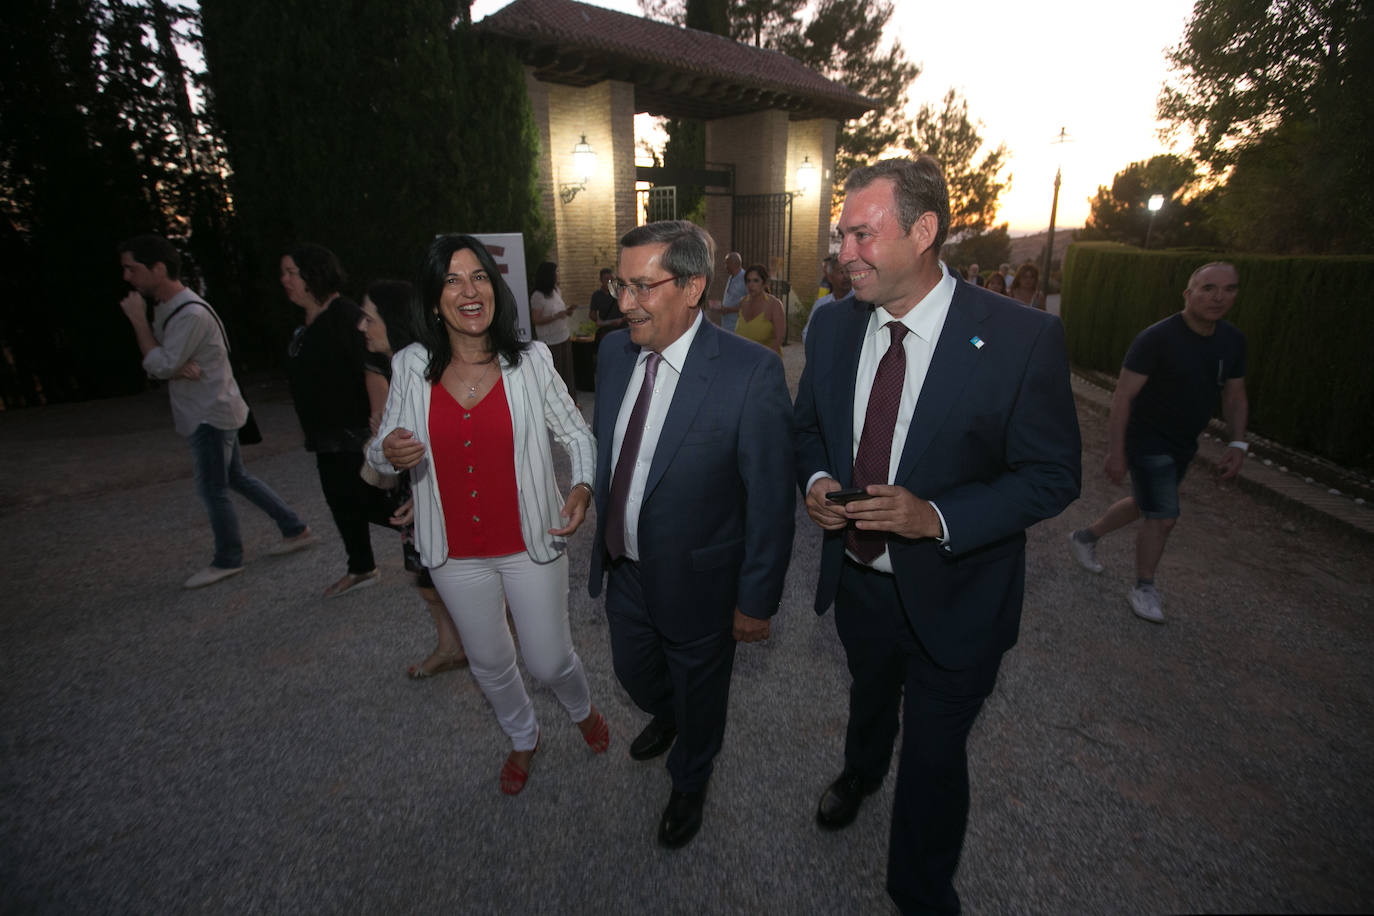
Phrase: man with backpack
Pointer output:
(186, 345)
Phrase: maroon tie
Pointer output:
(875, 443)
(629, 455)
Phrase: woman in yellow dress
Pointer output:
(761, 316)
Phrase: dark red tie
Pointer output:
(629, 456)
(875, 443)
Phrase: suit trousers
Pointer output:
(930, 807)
(687, 683)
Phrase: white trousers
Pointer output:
(472, 590)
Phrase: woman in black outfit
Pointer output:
(333, 395)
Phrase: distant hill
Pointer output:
(1031, 247)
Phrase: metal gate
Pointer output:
(658, 203)
(761, 231)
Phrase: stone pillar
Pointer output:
(587, 227)
(815, 140)
(756, 144)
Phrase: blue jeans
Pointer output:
(218, 469)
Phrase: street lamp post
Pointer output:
(1156, 204)
(1049, 242)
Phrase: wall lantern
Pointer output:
(806, 177)
(584, 165)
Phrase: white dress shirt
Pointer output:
(665, 384)
(924, 323)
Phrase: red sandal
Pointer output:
(514, 776)
(598, 734)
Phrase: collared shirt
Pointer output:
(924, 322)
(194, 334)
(665, 384)
(824, 302)
(734, 291)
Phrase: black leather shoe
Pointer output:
(841, 800)
(656, 738)
(681, 819)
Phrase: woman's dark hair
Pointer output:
(1024, 271)
(392, 298)
(757, 269)
(999, 280)
(430, 328)
(320, 269)
(546, 278)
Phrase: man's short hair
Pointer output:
(605, 272)
(1192, 278)
(918, 186)
(149, 249)
(691, 251)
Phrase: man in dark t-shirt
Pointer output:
(605, 310)
(1164, 398)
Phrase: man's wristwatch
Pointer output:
(1240, 444)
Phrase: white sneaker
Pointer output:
(1084, 554)
(210, 575)
(1147, 604)
(290, 545)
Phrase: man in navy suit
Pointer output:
(694, 503)
(948, 408)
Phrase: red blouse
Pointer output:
(473, 450)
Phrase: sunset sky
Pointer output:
(1028, 69)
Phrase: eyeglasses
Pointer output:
(640, 291)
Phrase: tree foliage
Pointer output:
(1120, 213)
(99, 139)
(1279, 99)
(841, 39)
(368, 129)
(986, 249)
(948, 134)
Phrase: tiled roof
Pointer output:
(676, 71)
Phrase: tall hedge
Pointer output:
(368, 128)
(1308, 323)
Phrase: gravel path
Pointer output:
(250, 747)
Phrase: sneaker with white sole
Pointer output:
(1084, 554)
(290, 545)
(210, 575)
(1147, 604)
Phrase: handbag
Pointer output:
(249, 434)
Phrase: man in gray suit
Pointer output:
(693, 504)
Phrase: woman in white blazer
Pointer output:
(469, 415)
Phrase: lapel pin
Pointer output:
(976, 341)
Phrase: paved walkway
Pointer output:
(252, 748)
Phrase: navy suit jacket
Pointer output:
(718, 514)
(993, 442)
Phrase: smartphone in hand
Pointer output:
(847, 495)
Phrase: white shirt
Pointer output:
(924, 323)
(194, 334)
(665, 384)
(557, 331)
